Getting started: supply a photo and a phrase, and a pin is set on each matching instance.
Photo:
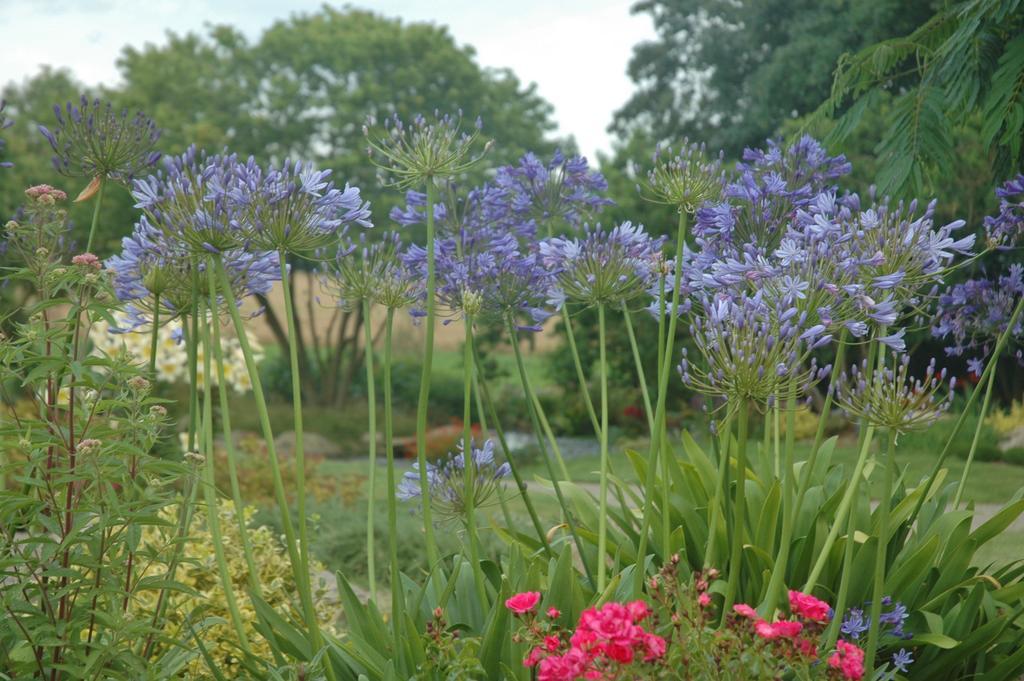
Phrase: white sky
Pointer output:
(575, 50)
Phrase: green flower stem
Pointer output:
(300, 447)
(842, 596)
(580, 375)
(397, 592)
(986, 376)
(469, 466)
(602, 520)
(301, 578)
(520, 484)
(639, 368)
(664, 369)
(844, 508)
(154, 338)
(715, 507)
(878, 585)
(424, 397)
(95, 215)
(530, 404)
(776, 584)
(819, 434)
(974, 444)
(739, 508)
(229, 445)
(371, 476)
(210, 494)
(486, 433)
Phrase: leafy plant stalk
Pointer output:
(371, 475)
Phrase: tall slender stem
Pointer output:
(469, 463)
(739, 508)
(725, 435)
(95, 215)
(210, 494)
(520, 484)
(580, 375)
(602, 521)
(424, 397)
(659, 412)
(397, 592)
(878, 584)
(974, 443)
(301, 578)
(229, 445)
(532, 409)
(154, 338)
(300, 448)
(371, 476)
(777, 581)
(639, 368)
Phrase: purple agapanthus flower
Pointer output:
(1005, 228)
(92, 139)
(973, 314)
(294, 206)
(447, 483)
(605, 267)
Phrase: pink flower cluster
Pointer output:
(606, 640)
(848, 659)
(798, 635)
(87, 260)
(44, 193)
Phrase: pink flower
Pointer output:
(86, 260)
(568, 667)
(744, 610)
(849, 660)
(655, 647)
(787, 628)
(524, 602)
(765, 630)
(535, 656)
(806, 647)
(554, 613)
(704, 600)
(552, 643)
(638, 610)
(809, 607)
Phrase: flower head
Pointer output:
(686, 179)
(524, 602)
(92, 139)
(447, 484)
(604, 267)
(294, 206)
(848, 659)
(892, 398)
(808, 607)
(971, 315)
(423, 151)
(1005, 228)
(371, 272)
(563, 192)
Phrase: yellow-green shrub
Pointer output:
(198, 571)
(1004, 421)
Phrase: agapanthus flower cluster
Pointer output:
(973, 314)
(294, 206)
(562, 192)
(481, 208)
(604, 267)
(156, 270)
(371, 272)
(489, 274)
(1005, 228)
(95, 140)
(425, 150)
(4, 124)
(190, 200)
(752, 349)
(890, 397)
(447, 482)
(894, 615)
(686, 179)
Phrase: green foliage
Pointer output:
(80, 483)
(966, 61)
(730, 73)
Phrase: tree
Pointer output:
(962, 66)
(730, 73)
